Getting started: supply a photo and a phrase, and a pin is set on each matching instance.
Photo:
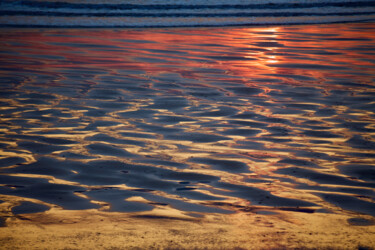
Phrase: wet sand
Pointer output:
(188, 138)
(165, 230)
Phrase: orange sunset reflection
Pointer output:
(189, 123)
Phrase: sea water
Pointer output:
(154, 13)
(201, 120)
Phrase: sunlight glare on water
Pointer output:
(209, 120)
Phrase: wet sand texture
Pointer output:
(184, 124)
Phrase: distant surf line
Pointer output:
(270, 5)
(155, 14)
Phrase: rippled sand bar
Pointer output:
(213, 138)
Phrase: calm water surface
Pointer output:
(210, 120)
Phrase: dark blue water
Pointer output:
(209, 120)
(153, 13)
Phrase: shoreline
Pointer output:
(98, 230)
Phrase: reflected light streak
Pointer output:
(248, 101)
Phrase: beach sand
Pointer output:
(163, 230)
(188, 138)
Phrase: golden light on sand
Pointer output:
(209, 138)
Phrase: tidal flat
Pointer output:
(188, 138)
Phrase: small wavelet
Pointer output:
(203, 120)
(35, 13)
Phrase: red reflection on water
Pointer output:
(265, 58)
(247, 53)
